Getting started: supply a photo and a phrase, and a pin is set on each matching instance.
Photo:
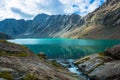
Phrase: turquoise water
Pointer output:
(66, 48)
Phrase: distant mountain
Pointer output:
(13, 27)
(103, 23)
(41, 26)
(4, 36)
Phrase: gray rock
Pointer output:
(108, 71)
(102, 66)
(114, 52)
(89, 63)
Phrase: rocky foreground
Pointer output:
(102, 66)
(19, 63)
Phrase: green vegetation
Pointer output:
(3, 53)
(23, 47)
(3, 41)
(31, 77)
(20, 55)
(6, 75)
(6, 51)
(86, 58)
(53, 63)
(100, 57)
(56, 65)
(101, 54)
(42, 56)
(82, 60)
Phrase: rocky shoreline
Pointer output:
(19, 63)
(101, 66)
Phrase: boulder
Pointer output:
(108, 71)
(102, 66)
(89, 63)
(114, 52)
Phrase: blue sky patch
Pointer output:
(91, 1)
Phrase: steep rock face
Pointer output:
(4, 36)
(103, 23)
(19, 63)
(51, 26)
(108, 14)
(41, 26)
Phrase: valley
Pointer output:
(62, 46)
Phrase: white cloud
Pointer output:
(84, 6)
(27, 9)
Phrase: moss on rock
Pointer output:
(2, 53)
(102, 53)
(6, 75)
(31, 77)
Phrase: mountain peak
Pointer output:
(41, 15)
(40, 18)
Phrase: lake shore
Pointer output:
(19, 63)
(101, 66)
(93, 66)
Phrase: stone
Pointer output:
(114, 52)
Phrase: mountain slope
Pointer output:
(13, 27)
(42, 25)
(103, 23)
(4, 36)
(19, 63)
(49, 26)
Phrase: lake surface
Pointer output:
(66, 48)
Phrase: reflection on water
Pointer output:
(66, 48)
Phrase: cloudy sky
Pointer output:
(27, 9)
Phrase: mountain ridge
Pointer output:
(41, 26)
(103, 23)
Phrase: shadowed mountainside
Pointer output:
(4, 36)
(103, 23)
(42, 25)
